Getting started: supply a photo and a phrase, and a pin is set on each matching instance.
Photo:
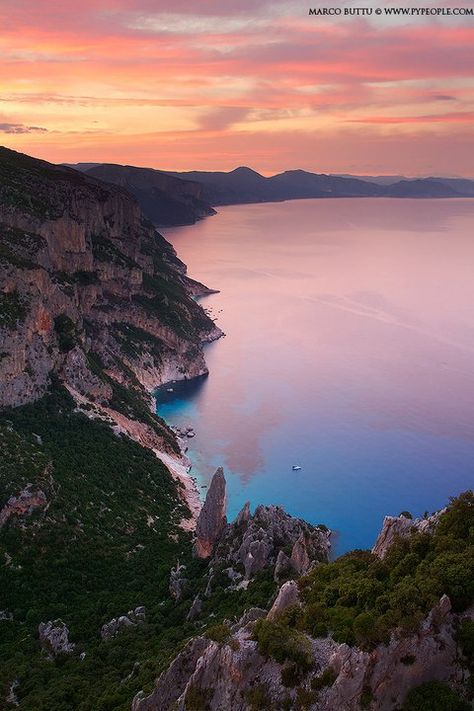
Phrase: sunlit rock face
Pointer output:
(90, 293)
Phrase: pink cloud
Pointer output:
(273, 76)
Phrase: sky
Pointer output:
(182, 85)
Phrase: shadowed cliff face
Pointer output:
(164, 199)
(90, 293)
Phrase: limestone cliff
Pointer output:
(164, 199)
(395, 527)
(232, 675)
(91, 294)
(295, 655)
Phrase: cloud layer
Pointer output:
(212, 85)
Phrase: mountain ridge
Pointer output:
(243, 185)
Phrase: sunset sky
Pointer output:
(174, 84)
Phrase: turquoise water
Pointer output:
(349, 350)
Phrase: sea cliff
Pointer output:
(103, 584)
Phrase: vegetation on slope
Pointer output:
(104, 545)
(360, 599)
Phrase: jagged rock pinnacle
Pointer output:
(212, 518)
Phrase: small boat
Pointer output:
(296, 468)
(169, 390)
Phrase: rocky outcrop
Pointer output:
(172, 683)
(178, 582)
(195, 609)
(395, 527)
(90, 294)
(212, 518)
(54, 638)
(165, 200)
(225, 674)
(287, 597)
(255, 542)
(390, 671)
(117, 624)
(22, 505)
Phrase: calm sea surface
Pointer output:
(349, 352)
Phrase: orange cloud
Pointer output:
(171, 84)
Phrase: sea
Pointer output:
(349, 352)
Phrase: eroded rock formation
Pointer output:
(91, 294)
(54, 638)
(27, 501)
(212, 518)
(400, 527)
(255, 542)
(225, 674)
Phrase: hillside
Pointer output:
(244, 185)
(171, 198)
(383, 630)
(111, 573)
(164, 199)
(95, 311)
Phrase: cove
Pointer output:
(349, 350)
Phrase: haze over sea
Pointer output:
(349, 352)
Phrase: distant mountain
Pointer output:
(377, 179)
(174, 198)
(164, 199)
(464, 186)
(244, 185)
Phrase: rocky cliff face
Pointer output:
(253, 543)
(91, 294)
(395, 527)
(232, 675)
(164, 199)
(265, 661)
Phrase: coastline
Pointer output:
(189, 492)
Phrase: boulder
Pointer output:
(54, 638)
(300, 560)
(117, 624)
(288, 595)
(195, 609)
(282, 566)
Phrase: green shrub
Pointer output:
(218, 633)
(258, 699)
(327, 678)
(305, 698)
(66, 332)
(434, 696)
(366, 697)
(283, 644)
(465, 639)
(291, 675)
(361, 599)
(198, 699)
(12, 309)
